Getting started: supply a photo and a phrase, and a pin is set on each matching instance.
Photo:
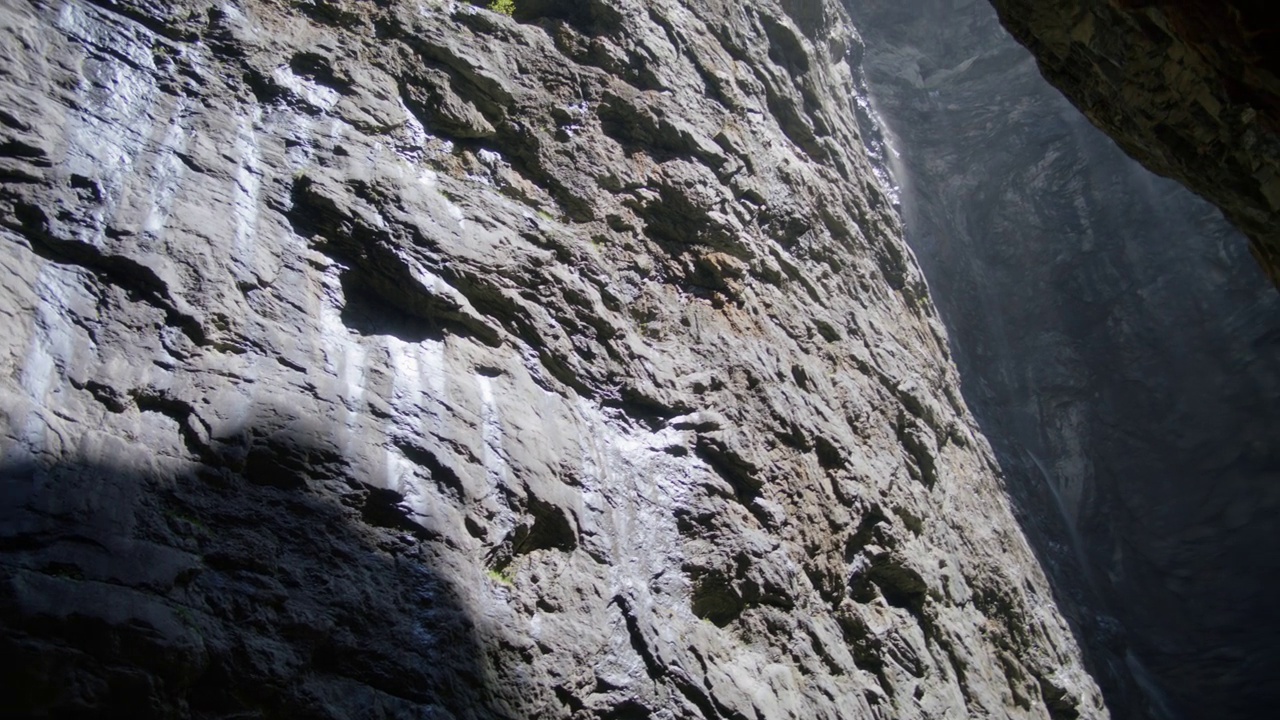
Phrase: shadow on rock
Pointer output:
(265, 582)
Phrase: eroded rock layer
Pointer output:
(1191, 88)
(404, 359)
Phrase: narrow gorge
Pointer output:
(611, 359)
(1120, 348)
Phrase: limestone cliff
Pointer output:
(405, 359)
(1189, 87)
(1120, 348)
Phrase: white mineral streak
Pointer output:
(167, 169)
(246, 188)
(344, 360)
(418, 398)
(48, 352)
(497, 470)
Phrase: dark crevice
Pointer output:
(193, 430)
(867, 649)
(655, 670)
(715, 598)
(441, 474)
(384, 508)
(319, 70)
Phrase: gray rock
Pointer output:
(410, 360)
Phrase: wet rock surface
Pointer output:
(404, 359)
(1191, 88)
(1119, 347)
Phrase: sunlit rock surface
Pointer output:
(403, 359)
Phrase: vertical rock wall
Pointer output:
(1120, 349)
(404, 359)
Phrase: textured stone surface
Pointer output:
(1189, 87)
(403, 359)
(1120, 348)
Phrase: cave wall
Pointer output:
(405, 359)
(1120, 348)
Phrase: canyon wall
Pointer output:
(1189, 87)
(406, 359)
(1120, 348)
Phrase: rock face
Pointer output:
(405, 359)
(1120, 349)
(1189, 87)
